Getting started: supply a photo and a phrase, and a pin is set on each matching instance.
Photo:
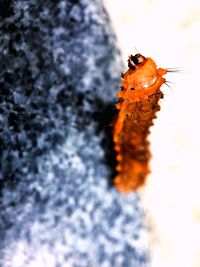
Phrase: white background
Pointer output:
(169, 32)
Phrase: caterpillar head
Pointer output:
(134, 61)
(142, 77)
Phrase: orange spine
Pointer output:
(138, 103)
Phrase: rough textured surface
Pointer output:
(59, 67)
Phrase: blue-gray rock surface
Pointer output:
(59, 73)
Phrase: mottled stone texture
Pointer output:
(59, 69)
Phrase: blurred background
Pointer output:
(168, 31)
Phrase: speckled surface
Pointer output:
(59, 70)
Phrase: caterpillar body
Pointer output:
(138, 103)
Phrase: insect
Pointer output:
(139, 97)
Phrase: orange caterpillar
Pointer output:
(138, 103)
